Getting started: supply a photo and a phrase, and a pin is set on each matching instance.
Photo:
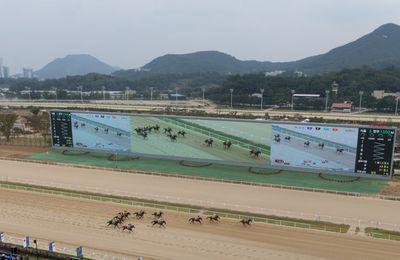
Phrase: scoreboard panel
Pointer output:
(375, 151)
(61, 129)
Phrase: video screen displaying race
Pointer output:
(324, 148)
(206, 139)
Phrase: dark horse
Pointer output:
(213, 217)
(209, 142)
(197, 219)
(128, 227)
(227, 144)
(254, 153)
(139, 214)
(307, 144)
(321, 146)
(182, 133)
(339, 150)
(167, 130)
(246, 221)
(159, 222)
(115, 222)
(158, 214)
(173, 137)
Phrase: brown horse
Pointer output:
(254, 153)
(159, 222)
(197, 219)
(246, 221)
(128, 227)
(139, 214)
(213, 218)
(158, 214)
(227, 144)
(115, 222)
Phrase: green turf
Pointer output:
(290, 178)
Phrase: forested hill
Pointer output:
(278, 89)
(378, 49)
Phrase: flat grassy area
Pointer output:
(383, 233)
(270, 176)
(271, 219)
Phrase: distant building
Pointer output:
(342, 107)
(27, 73)
(177, 96)
(379, 94)
(6, 72)
(274, 73)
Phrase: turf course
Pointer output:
(290, 178)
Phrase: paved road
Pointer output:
(203, 193)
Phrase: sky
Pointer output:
(130, 33)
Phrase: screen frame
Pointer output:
(267, 165)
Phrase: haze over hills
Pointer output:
(380, 48)
(71, 65)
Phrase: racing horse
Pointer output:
(182, 133)
(213, 217)
(139, 214)
(167, 130)
(158, 214)
(254, 153)
(306, 144)
(128, 227)
(321, 146)
(287, 138)
(197, 219)
(159, 222)
(227, 144)
(246, 221)
(339, 150)
(209, 142)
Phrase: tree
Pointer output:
(7, 121)
(41, 123)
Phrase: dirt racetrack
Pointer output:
(352, 210)
(81, 222)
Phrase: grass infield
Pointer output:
(224, 172)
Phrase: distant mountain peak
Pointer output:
(72, 65)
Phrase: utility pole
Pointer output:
(326, 100)
(292, 91)
(80, 88)
(262, 97)
(361, 93)
(103, 88)
(397, 105)
(55, 92)
(203, 89)
(151, 93)
(231, 90)
(126, 93)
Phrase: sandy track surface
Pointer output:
(81, 222)
(205, 193)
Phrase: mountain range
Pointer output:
(378, 49)
(72, 65)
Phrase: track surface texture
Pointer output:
(264, 200)
(81, 222)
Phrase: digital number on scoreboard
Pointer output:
(61, 129)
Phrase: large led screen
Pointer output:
(315, 147)
(307, 147)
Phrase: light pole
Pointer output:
(292, 91)
(80, 88)
(262, 97)
(151, 93)
(55, 92)
(361, 93)
(103, 88)
(326, 100)
(203, 89)
(126, 93)
(231, 90)
(29, 92)
(397, 105)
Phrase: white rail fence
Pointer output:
(204, 204)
